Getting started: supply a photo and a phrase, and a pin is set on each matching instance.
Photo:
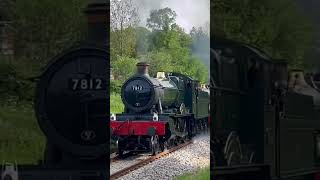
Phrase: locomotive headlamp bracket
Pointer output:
(155, 117)
(113, 117)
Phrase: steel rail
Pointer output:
(144, 162)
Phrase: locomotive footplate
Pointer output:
(137, 128)
(242, 172)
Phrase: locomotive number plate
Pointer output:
(87, 84)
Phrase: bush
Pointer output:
(116, 105)
(123, 67)
(16, 79)
(115, 86)
(26, 146)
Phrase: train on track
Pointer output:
(263, 113)
(159, 112)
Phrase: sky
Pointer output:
(189, 12)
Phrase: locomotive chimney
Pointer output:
(143, 68)
(98, 18)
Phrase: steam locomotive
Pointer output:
(71, 105)
(159, 112)
(263, 113)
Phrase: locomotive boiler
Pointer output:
(143, 93)
(159, 112)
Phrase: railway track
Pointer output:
(125, 156)
(144, 162)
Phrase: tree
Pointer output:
(123, 43)
(274, 26)
(161, 19)
(42, 28)
(123, 15)
(123, 68)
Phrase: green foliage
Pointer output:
(197, 70)
(26, 146)
(202, 174)
(123, 42)
(159, 60)
(116, 105)
(166, 47)
(46, 27)
(115, 86)
(161, 19)
(162, 61)
(15, 79)
(275, 26)
(41, 29)
(123, 67)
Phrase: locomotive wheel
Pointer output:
(119, 148)
(252, 158)
(217, 153)
(161, 146)
(120, 152)
(233, 151)
(205, 126)
(233, 159)
(154, 143)
(205, 123)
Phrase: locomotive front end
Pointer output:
(144, 94)
(71, 103)
(143, 123)
(140, 92)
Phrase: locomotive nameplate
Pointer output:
(87, 84)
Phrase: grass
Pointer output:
(202, 174)
(21, 140)
(116, 105)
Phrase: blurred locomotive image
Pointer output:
(159, 112)
(262, 113)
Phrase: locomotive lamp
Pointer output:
(155, 117)
(113, 117)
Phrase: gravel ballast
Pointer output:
(186, 160)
